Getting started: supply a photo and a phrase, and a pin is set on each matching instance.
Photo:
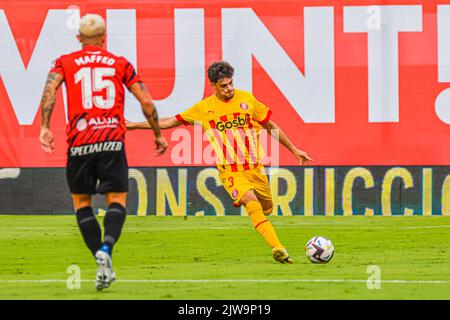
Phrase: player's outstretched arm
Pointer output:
(148, 108)
(275, 131)
(48, 100)
(164, 123)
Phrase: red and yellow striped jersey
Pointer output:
(232, 127)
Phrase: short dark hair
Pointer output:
(219, 70)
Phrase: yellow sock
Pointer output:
(262, 224)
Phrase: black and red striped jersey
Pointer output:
(95, 80)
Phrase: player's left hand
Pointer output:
(47, 140)
(302, 157)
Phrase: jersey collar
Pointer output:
(92, 48)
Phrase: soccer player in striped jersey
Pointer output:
(232, 119)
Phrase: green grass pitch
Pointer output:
(224, 258)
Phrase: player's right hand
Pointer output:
(302, 157)
(161, 145)
(47, 140)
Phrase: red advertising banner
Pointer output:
(350, 82)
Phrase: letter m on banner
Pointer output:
(24, 84)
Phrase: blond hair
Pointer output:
(92, 25)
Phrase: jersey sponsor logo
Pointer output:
(232, 124)
(81, 125)
(96, 147)
(102, 122)
(97, 123)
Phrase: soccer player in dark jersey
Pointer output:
(96, 160)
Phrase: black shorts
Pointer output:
(90, 171)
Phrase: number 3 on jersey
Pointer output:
(93, 81)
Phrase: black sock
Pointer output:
(113, 223)
(90, 229)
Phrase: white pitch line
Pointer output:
(281, 226)
(239, 228)
(426, 227)
(239, 281)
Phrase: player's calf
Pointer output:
(113, 224)
(262, 224)
(89, 228)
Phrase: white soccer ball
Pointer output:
(319, 250)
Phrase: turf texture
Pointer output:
(216, 258)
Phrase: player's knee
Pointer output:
(119, 197)
(268, 211)
(81, 201)
(249, 196)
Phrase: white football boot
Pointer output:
(105, 274)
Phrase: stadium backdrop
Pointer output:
(362, 86)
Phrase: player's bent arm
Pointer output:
(48, 99)
(148, 107)
(164, 123)
(276, 132)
